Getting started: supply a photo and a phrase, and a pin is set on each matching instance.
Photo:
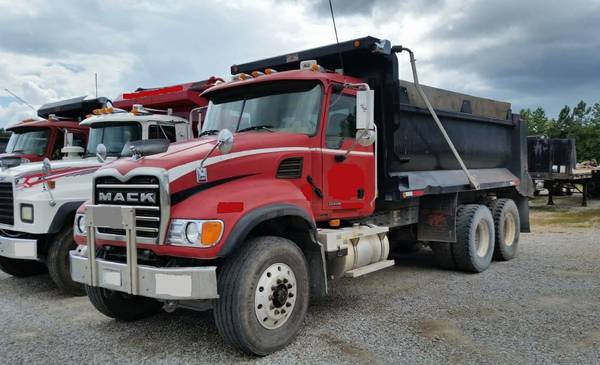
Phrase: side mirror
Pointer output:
(46, 166)
(365, 111)
(101, 153)
(365, 137)
(225, 139)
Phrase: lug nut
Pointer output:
(289, 286)
(276, 311)
(283, 311)
(288, 304)
(285, 281)
(278, 281)
(291, 295)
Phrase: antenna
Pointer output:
(336, 35)
(20, 100)
(96, 79)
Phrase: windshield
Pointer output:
(285, 106)
(113, 136)
(33, 142)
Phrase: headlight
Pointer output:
(80, 224)
(27, 213)
(195, 233)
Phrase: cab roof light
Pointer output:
(256, 74)
(241, 76)
(269, 71)
(311, 65)
(139, 109)
(102, 111)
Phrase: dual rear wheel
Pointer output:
(483, 233)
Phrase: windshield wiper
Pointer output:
(208, 132)
(257, 127)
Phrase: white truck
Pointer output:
(38, 201)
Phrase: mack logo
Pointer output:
(127, 197)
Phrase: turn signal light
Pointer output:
(211, 232)
(334, 223)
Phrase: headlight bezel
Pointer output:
(177, 234)
(78, 223)
(22, 208)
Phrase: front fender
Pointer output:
(241, 204)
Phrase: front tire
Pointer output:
(507, 224)
(264, 293)
(121, 306)
(59, 266)
(21, 268)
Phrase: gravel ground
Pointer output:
(542, 307)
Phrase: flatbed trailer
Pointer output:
(553, 166)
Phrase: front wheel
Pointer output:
(263, 295)
(21, 268)
(121, 306)
(59, 264)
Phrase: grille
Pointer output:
(290, 168)
(7, 213)
(147, 212)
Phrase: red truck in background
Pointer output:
(308, 169)
(33, 140)
(38, 201)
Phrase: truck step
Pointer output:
(369, 268)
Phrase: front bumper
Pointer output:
(18, 248)
(174, 283)
(167, 283)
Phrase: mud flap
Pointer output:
(437, 218)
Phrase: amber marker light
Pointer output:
(211, 232)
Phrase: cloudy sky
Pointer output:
(531, 53)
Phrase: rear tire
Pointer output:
(474, 245)
(121, 306)
(271, 264)
(59, 266)
(21, 268)
(507, 228)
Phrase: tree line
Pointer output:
(582, 122)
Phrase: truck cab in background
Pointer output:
(33, 140)
(38, 200)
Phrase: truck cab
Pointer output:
(33, 140)
(39, 200)
(305, 172)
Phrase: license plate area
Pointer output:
(111, 277)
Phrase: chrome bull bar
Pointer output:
(166, 283)
(118, 217)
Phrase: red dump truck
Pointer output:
(32, 140)
(310, 167)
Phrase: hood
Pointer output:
(57, 166)
(196, 149)
(17, 156)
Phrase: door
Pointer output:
(348, 179)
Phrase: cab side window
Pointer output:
(162, 132)
(59, 143)
(341, 120)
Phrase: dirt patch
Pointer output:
(350, 350)
(442, 329)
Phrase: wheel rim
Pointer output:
(482, 239)
(510, 230)
(275, 296)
